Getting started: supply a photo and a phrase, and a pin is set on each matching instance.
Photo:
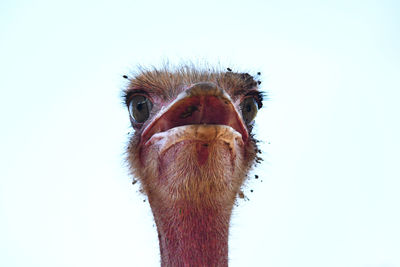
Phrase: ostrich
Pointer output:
(191, 151)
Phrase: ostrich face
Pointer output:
(192, 140)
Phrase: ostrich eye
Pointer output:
(249, 109)
(139, 108)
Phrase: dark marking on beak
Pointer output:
(189, 111)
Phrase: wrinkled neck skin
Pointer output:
(192, 186)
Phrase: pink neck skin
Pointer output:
(190, 235)
(191, 186)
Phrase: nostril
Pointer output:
(188, 111)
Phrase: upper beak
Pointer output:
(201, 103)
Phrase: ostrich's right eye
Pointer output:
(139, 108)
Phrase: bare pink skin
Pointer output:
(191, 158)
(193, 223)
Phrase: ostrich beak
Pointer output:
(200, 104)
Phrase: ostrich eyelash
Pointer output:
(258, 96)
(128, 95)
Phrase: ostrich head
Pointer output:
(191, 151)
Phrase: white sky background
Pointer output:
(330, 189)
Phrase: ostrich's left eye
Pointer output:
(249, 109)
(139, 108)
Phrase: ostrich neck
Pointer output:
(192, 235)
(191, 188)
